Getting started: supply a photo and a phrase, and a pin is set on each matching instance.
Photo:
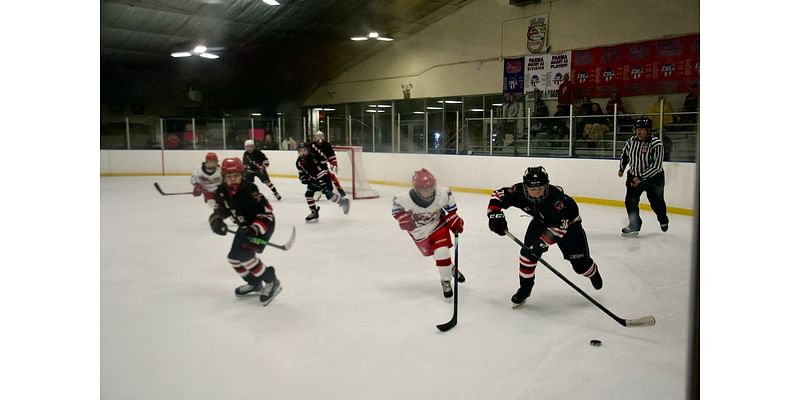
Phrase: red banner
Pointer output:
(653, 67)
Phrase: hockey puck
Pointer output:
(595, 342)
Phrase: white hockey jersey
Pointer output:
(208, 181)
(430, 218)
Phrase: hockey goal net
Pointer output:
(351, 173)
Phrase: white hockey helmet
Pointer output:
(319, 134)
(249, 142)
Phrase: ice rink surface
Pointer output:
(358, 313)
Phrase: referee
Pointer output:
(645, 155)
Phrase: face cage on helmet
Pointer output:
(536, 199)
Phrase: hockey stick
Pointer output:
(643, 321)
(167, 194)
(450, 324)
(285, 247)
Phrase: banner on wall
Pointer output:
(513, 76)
(545, 72)
(633, 69)
(537, 34)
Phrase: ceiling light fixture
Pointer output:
(371, 35)
(209, 55)
(181, 54)
(272, 2)
(199, 50)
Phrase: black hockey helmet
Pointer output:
(302, 145)
(535, 176)
(643, 122)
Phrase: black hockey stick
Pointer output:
(643, 321)
(165, 193)
(285, 247)
(450, 324)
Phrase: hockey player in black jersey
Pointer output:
(256, 163)
(314, 174)
(323, 150)
(555, 220)
(241, 200)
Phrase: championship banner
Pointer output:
(513, 76)
(546, 72)
(634, 69)
(537, 34)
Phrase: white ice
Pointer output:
(357, 317)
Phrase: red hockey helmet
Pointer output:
(423, 179)
(212, 157)
(232, 166)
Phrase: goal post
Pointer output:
(351, 173)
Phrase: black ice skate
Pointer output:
(597, 280)
(664, 226)
(246, 289)
(270, 291)
(447, 289)
(345, 203)
(314, 216)
(629, 231)
(524, 291)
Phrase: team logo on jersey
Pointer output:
(559, 205)
(637, 72)
(583, 76)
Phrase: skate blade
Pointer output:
(516, 306)
(632, 234)
(313, 221)
(274, 295)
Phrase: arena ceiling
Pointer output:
(289, 48)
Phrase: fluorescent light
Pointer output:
(208, 55)
(375, 111)
(384, 106)
(181, 54)
(272, 2)
(373, 35)
(256, 114)
(385, 39)
(434, 108)
(200, 49)
(359, 38)
(328, 109)
(419, 112)
(449, 102)
(497, 104)
(476, 109)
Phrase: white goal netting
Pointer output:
(351, 173)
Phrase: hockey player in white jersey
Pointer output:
(428, 213)
(206, 178)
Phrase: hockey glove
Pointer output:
(455, 223)
(197, 191)
(406, 221)
(217, 224)
(497, 223)
(247, 230)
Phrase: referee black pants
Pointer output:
(654, 187)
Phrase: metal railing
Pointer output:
(568, 135)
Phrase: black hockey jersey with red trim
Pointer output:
(247, 205)
(254, 160)
(324, 151)
(310, 167)
(556, 210)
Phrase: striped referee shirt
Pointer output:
(644, 156)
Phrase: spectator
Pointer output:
(691, 104)
(595, 125)
(644, 153)
(615, 99)
(565, 90)
(655, 110)
(561, 124)
(289, 144)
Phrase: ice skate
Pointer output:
(447, 289)
(270, 291)
(629, 231)
(345, 203)
(597, 280)
(314, 216)
(524, 291)
(664, 226)
(246, 289)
